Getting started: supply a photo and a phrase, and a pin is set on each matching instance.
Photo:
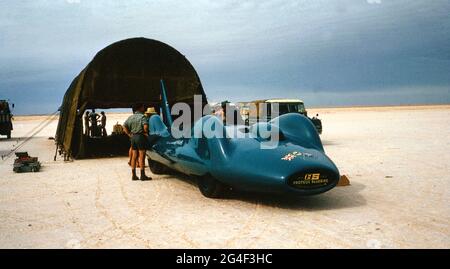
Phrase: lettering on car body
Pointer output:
(311, 179)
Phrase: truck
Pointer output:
(255, 111)
(6, 117)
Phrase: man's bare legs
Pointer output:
(142, 159)
(130, 155)
(142, 165)
(138, 160)
(134, 157)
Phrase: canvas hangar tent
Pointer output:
(120, 75)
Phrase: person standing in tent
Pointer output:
(86, 123)
(94, 123)
(136, 127)
(103, 124)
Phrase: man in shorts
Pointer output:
(136, 127)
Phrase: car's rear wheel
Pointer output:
(156, 167)
(8, 135)
(210, 187)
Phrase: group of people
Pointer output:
(95, 124)
(137, 128)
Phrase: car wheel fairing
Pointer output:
(156, 167)
(210, 187)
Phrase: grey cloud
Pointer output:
(286, 48)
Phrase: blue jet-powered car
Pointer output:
(297, 165)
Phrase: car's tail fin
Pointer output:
(165, 105)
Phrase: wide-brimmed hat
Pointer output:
(150, 110)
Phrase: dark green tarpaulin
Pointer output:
(124, 73)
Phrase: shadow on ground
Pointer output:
(17, 138)
(329, 143)
(337, 198)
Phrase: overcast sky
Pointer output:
(330, 53)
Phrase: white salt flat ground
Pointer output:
(397, 159)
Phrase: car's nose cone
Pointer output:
(287, 167)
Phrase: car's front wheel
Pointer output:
(156, 167)
(8, 135)
(210, 187)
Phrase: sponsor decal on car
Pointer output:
(310, 179)
(292, 155)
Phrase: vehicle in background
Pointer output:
(261, 108)
(6, 116)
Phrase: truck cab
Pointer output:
(264, 108)
(6, 125)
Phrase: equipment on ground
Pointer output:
(25, 163)
(117, 129)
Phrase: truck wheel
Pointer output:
(210, 187)
(8, 135)
(156, 167)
